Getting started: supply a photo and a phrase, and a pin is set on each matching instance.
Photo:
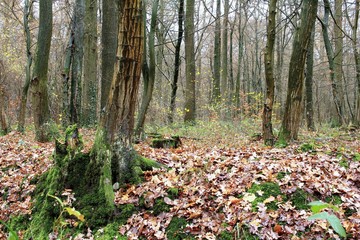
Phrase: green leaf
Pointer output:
(317, 206)
(75, 213)
(57, 199)
(322, 215)
(336, 225)
(333, 220)
(13, 236)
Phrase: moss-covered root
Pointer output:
(138, 166)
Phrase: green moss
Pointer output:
(300, 199)
(175, 230)
(124, 212)
(344, 163)
(281, 175)
(334, 199)
(173, 193)
(307, 147)
(111, 231)
(356, 157)
(281, 143)
(19, 222)
(160, 206)
(225, 235)
(268, 189)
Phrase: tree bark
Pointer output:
(216, 94)
(268, 135)
(148, 79)
(309, 83)
(109, 44)
(25, 90)
(177, 62)
(77, 61)
(335, 86)
(39, 81)
(224, 51)
(190, 62)
(89, 81)
(293, 107)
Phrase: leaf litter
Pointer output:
(212, 184)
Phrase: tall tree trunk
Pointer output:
(336, 86)
(177, 62)
(309, 83)
(77, 60)
(357, 59)
(224, 52)
(216, 94)
(89, 81)
(190, 62)
(269, 74)
(109, 44)
(25, 90)
(39, 90)
(4, 127)
(293, 107)
(148, 79)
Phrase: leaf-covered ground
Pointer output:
(221, 189)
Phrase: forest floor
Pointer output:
(221, 184)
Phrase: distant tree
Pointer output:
(174, 83)
(269, 75)
(39, 90)
(293, 107)
(148, 70)
(190, 62)
(216, 94)
(3, 118)
(89, 81)
(336, 83)
(24, 95)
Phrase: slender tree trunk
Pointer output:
(40, 99)
(336, 86)
(177, 62)
(224, 52)
(3, 119)
(89, 81)
(190, 62)
(25, 90)
(77, 60)
(216, 94)
(109, 44)
(149, 79)
(69, 55)
(269, 74)
(309, 83)
(293, 107)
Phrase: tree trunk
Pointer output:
(89, 81)
(216, 95)
(39, 81)
(149, 79)
(108, 43)
(77, 60)
(309, 83)
(293, 107)
(112, 158)
(336, 86)
(25, 90)
(3, 119)
(269, 74)
(224, 52)
(177, 62)
(190, 62)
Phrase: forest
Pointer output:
(179, 119)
